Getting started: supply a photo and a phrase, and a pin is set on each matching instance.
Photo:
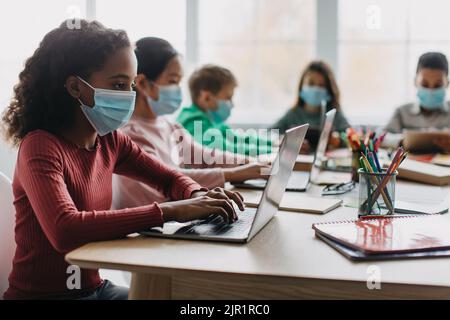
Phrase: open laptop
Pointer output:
(251, 220)
(299, 180)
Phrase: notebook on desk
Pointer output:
(407, 207)
(422, 141)
(357, 255)
(293, 202)
(424, 172)
(393, 235)
(441, 160)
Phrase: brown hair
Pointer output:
(330, 84)
(211, 78)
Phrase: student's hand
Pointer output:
(443, 143)
(247, 172)
(203, 204)
(306, 147)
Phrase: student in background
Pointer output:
(72, 95)
(317, 94)
(159, 94)
(212, 89)
(431, 110)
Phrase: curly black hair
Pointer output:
(40, 99)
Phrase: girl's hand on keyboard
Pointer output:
(203, 204)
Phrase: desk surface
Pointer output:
(285, 248)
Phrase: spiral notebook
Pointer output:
(393, 235)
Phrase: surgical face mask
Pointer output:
(431, 99)
(223, 111)
(314, 95)
(112, 109)
(169, 101)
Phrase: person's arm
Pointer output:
(194, 155)
(135, 163)
(41, 174)
(240, 142)
(394, 137)
(395, 124)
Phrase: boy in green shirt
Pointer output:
(212, 89)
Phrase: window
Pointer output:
(265, 44)
(380, 42)
(150, 18)
(22, 35)
(24, 23)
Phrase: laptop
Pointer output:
(300, 180)
(251, 220)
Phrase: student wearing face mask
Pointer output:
(158, 95)
(212, 89)
(317, 94)
(72, 96)
(431, 110)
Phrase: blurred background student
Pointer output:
(158, 95)
(317, 93)
(431, 110)
(212, 88)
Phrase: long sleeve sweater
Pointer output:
(62, 199)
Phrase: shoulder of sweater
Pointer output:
(41, 139)
(410, 106)
(41, 144)
(133, 127)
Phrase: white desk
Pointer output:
(284, 260)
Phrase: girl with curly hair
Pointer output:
(72, 95)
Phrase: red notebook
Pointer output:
(390, 235)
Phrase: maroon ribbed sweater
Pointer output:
(62, 199)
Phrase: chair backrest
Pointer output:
(7, 223)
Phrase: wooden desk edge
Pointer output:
(166, 283)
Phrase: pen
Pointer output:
(392, 167)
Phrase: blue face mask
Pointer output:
(169, 101)
(314, 95)
(431, 99)
(223, 111)
(112, 109)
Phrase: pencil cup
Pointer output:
(376, 193)
(355, 165)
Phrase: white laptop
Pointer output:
(251, 220)
(299, 180)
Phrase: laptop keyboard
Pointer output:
(215, 225)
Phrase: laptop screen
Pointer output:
(279, 176)
(322, 145)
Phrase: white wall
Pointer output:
(7, 159)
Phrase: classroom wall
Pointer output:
(7, 159)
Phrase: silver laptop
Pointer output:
(251, 220)
(299, 180)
